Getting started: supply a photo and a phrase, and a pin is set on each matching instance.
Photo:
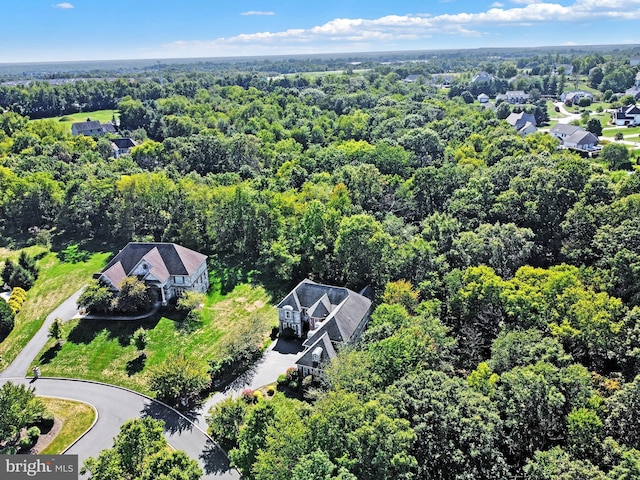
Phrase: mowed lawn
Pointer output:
(102, 116)
(102, 350)
(56, 282)
(75, 418)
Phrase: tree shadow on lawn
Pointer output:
(87, 330)
(215, 460)
(50, 354)
(137, 364)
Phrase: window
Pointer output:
(179, 280)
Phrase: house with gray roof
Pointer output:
(524, 123)
(168, 268)
(581, 140)
(563, 130)
(514, 97)
(482, 77)
(328, 317)
(92, 128)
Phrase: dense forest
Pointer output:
(506, 338)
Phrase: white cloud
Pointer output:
(342, 34)
(257, 12)
(64, 5)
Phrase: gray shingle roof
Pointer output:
(166, 259)
(328, 352)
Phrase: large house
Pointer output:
(629, 115)
(524, 123)
(327, 316)
(168, 268)
(482, 77)
(572, 136)
(92, 128)
(514, 97)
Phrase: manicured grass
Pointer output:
(56, 282)
(630, 134)
(101, 115)
(101, 350)
(76, 418)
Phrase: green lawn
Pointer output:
(76, 418)
(101, 350)
(630, 134)
(56, 282)
(100, 115)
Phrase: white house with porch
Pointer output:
(168, 268)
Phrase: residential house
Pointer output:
(581, 140)
(482, 77)
(565, 68)
(634, 61)
(168, 268)
(635, 90)
(92, 128)
(573, 98)
(514, 97)
(563, 130)
(122, 146)
(524, 123)
(328, 317)
(483, 98)
(411, 78)
(629, 115)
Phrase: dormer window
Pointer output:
(316, 355)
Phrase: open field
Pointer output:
(100, 115)
(102, 350)
(630, 134)
(75, 417)
(56, 282)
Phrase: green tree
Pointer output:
(615, 155)
(623, 421)
(20, 407)
(140, 452)
(252, 437)
(225, 419)
(133, 296)
(585, 434)
(179, 378)
(55, 330)
(458, 430)
(7, 316)
(96, 298)
(594, 126)
(140, 338)
(555, 464)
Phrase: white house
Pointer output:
(166, 267)
(629, 115)
(122, 146)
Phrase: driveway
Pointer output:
(280, 355)
(65, 311)
(116, 405)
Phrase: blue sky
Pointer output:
(41, 30)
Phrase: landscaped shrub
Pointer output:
(33, 433)
(247, 395)
(292, 373)
(73, 254)
(271, 391)
(96, 298)
(282, 381)
(25, 444)
(6, 318)
(140, 338)
(257, 396)
(45, 422)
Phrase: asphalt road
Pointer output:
(116, 405)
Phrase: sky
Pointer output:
(48, 30)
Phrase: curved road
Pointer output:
(116, 405)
